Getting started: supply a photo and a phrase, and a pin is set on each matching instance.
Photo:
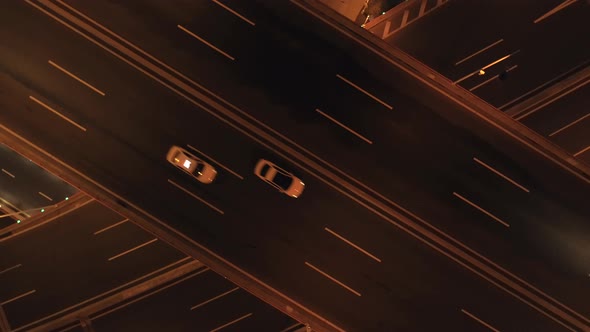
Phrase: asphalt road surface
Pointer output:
(538, 42)
(528, 46)
(308, 248)
(74, 258)
(25, 186)
(566, 121)
(90, 253)
(201, 301)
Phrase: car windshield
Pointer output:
(282, 180)
(264, 169)
(199, 167)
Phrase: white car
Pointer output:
(186, 161)
(277, 177)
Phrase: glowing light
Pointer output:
(18, 221)
(42, 210)
(67, 198)
(187, 164)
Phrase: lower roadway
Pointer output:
(90, 253)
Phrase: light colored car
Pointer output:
(186, 161)
(280, 179)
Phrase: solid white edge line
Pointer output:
(90, 86)
(190, 33)
(195, 196)
(57, 113)
(217, 162)
(501, 175)
(481, 209)
(344, 126)
(234, 12)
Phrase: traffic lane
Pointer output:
(520, 155)
(127, 155)
(537, 47)
(285, 77)
(87, 107)
(497, 58)
(25, 254)
(156, 31)
(159, 122)
(437, 159)
(119, 96)
(83, 59)
(576, 139)
(407, 258)
(445, 27)
(107, 144)
(135, 129)
(533, 223)
(561, 115)
(170, 309)
(543, 54)
(25, 184)
(474, 80)
(240, 87)
(197, 25)
(572, 130)
(154, 27)
(441, 292)
(61, 259)
(559, 54)
(286, 236)
(22, 168)
(327, 147)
